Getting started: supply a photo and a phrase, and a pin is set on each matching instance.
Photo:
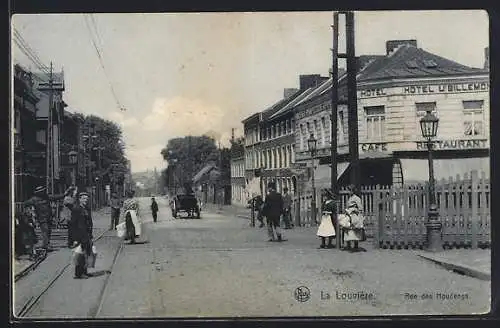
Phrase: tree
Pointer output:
(111, 160)
(237, 147)
(186, 156)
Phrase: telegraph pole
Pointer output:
(50, 176)
(352, 100)
(333, 120)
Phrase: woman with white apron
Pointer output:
(326, 228)
(131, 227)
(352, 221)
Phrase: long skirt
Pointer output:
(352, 235)
(326, 228)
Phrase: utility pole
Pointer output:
(352, 101)
(333, 120)
(50, 166)
(352, 106)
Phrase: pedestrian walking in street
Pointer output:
(116, 204)
(70, 202)
(287, 209)
(258, 203)
(272, 210)
(354, 232)
(131, 215)
(326, 229)
(154, 209)
(43, 212)
(82, 234)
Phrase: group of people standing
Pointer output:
(276, 206)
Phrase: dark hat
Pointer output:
(83, 193)
(271, 185)
(40, 189)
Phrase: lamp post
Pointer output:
(73, 158)
(311, 144)
(429, 125)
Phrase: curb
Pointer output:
(459, 268)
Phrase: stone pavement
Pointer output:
(219, 266)
(474, 263)
(35, 281)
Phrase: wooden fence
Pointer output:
(395, 217)
(371, 196)
(464, 211)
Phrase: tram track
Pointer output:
(33, 300)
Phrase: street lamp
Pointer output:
(429, 125)
(311, 144)
(73, 158)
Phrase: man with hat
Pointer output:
(82, 234)
(272, 210)
(43, 211)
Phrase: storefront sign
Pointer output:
(373, 147)
(454, 144)
(372, 93)
(445, 88)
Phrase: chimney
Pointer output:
(393, 44)
(310, 80)
(487, 58)
(288, 92)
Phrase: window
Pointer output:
(375, 123)
(473, 118)
(323, 129)
(411, 63)
(342, 122)
(301, 136)
(287, 127)
(430, 63)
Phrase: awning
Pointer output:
(417, 170)
(322, 174)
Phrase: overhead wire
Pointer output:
(24, 47)
(101, 60)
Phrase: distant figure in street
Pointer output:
(258, 203)
(287, 209)
(82, 234)
(116, 204)
(355, 228)
(43, 212)
(25, 236)
(272, 210)
(154, 209)
(326, 228)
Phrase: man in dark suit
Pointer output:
(82, 234)
(272, 210)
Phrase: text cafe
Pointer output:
(427, 89)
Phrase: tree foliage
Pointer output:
(108, 139)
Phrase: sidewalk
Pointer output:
(40, 278)
(101, 224)
(470, 262)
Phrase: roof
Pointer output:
(409, 61)
(205, 170)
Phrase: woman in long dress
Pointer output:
(131, 216)
(326, 228)
(353, 212)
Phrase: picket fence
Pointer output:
(395, 216)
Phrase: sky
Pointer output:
(196, 73)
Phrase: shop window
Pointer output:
(375, 123)
(473, 118)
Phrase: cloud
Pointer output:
(181, 116)
(123, 121)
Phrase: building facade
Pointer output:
(394, 92)
(238, 195)
(29, 167)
